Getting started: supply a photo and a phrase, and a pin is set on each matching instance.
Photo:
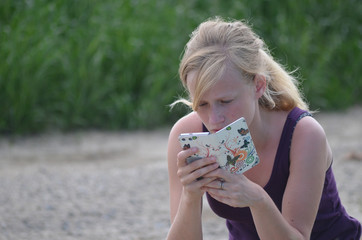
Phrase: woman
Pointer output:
(291, 193)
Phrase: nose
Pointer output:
(216, 116)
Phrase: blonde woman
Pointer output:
(291, 193)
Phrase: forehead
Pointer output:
(230, 80)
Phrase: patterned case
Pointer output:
(232, 146)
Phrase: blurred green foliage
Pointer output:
(113, 64)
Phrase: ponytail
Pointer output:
(282, 92)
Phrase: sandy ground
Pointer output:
(97, 185)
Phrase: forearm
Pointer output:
(187, 222)
(270, 223)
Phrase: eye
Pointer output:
(202, 104)
(226, 101)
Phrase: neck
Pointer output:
(265, 127)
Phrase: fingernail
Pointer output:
(194, 149)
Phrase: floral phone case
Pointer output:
(232, 146)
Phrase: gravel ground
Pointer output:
(99, 185)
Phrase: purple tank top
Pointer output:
(332, 221)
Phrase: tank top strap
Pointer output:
(294, 116)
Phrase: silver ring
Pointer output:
(222, 185)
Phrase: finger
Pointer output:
(204, 181)
(200, 172)
(217, 184)
(224, 198)
(182, 155)
(220, 174)
(220, 196)
(202, 162)
(189, 174)
(195, 171)
(198, 185)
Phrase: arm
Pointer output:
(185, 190)
(309, 159)
(310, 156)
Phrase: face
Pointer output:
(229, 99)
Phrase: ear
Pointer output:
(260, 85)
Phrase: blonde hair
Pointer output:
(217, 45)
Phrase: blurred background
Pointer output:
(81, 81)
(112, 64)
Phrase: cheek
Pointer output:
(235, 114)
(202, 115)
(232, 112)
(240, 109)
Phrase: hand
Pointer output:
(235, 190)
(190, 174)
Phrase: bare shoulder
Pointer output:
(309, 140)
(308, 125)
(187, 124)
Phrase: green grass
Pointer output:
(113, 64)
